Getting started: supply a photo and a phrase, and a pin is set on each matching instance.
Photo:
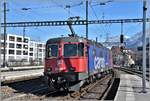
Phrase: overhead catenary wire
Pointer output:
(61, 6)
(30, 10)
(105, 29)
(132, 28)
(96, 18)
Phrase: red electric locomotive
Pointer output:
(67, 61)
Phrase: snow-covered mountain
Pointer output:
(114, 41)
(136, 40)
(130, 42)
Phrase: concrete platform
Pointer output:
(14, 76)
(20, 68)
(130, 89)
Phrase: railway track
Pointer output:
(39, 91)
(97, 90)
(93, 91)
(135, 72)
(30, 88)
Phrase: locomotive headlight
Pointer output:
(49, 70)
(80, 40)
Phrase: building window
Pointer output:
(31, 44)
(19, 39)
(43, 46)
(11, 51)
(26, 40)
(11, 45)
(11, 58)
(2, 51)
(2, 37)
(35, 54)
(11, 38)
(25, 52)
(31, 54)
(39, 45)
(18, 46)
(40, 50)
(40, 54)
(25, 46)
(19, 58)
(31, 49)
(2, 44)
(18, 52)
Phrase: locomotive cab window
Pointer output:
(52, 51)
(81, 49)
(70, 50)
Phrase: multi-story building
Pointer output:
(36, 51)
(19, 48)
(117, 55)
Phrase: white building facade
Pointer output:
(19, 48)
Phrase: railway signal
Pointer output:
(121, 48)
(121, 38)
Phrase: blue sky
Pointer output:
(46, 10)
